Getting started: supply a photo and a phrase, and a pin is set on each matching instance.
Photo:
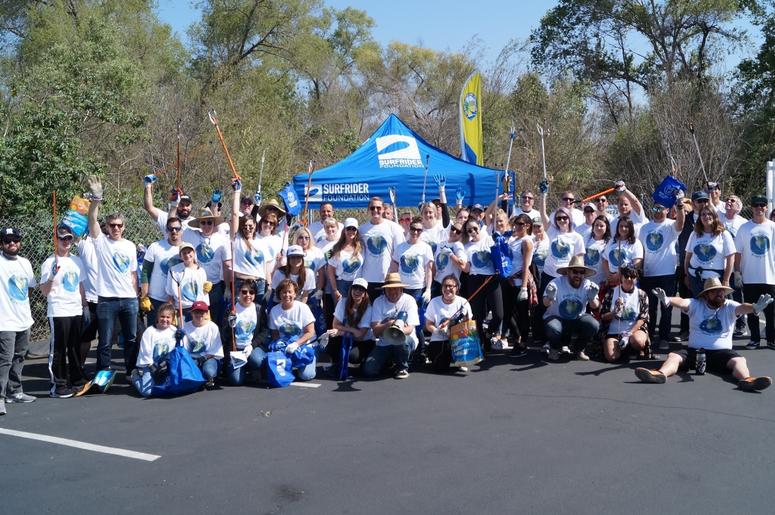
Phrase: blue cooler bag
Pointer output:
(183, 375)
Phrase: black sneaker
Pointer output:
(519, 351)
(754, 384)
(62, 392)
(210, 385)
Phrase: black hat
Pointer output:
(700, 195)
(758, 199)
(10, 231)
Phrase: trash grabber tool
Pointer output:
(214, 120)
(699, 154)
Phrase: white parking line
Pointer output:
(306, 385)
(81, 445)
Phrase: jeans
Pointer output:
(343, 287)
(126, 310)
(143, 382)
(209, 368)
(216, 303)
(560, 331)
(237, 376)
(379, 357)
(667, 283)
(416, 294)
(13, 348)
(752, 293)
(307, 373)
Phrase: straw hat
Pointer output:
(270, 203)
(393, 280)
(714, 284)
(576, 262)
(205, 214)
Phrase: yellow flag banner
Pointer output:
(471, 120)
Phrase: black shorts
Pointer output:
(716, 360)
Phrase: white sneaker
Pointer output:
(20, 397)
(565, 350)
(2, 406)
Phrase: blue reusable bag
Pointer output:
(664, 194)
(501, 257)
(290, 199)
(302, 356)
(279, 369)
(183, 375)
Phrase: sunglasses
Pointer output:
(351, 229)
(758, 205)
(415, 229)
(8, 241)
(302, 237)
(250, 227)
(247, 292)
(472, 230)
(174, 229)
(602, 200)
(375, 208)
(455, 231)
(578, 272)
(65, 238)
(116, 226)
(520, 224)
(206, 222)
(526, 198)
(449, 285)
(268, 222)
(562, 218)
(568, 199)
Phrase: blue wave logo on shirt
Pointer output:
(760, 244)
(539, 259)
(350, 267)
(481, 259)
(160, 350)
(442, 260)
(592, 257)
(121, 262)
(190, 291)
(617, 257)
(288, 329)
(204, 253)
(376, 245)
(433, 245)
(704, 252)
(17, 288)
(560, 249)
(310, 263)
(629, 314)
(197, 347)
(570, 308)
(711, 326)
(168, 263)
(244, 330)
(654, 241)
(254, 257)
(409, 264)
(70, 281)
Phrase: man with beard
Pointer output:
(16, 281)
(711, 323)
(180, 206)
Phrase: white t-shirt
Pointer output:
(211, 252)
(16, 278)
(251, 259)
(64, 299)
(247, 322)
(116, 264)
(754, 243)
(622, 253)
(290, 322)
(517, 259)
(191, 282)
(379, 244)
(155, 344)
(571, 302)
(273, 242)
(347, 265)
(732, 225)
(314, 259)
(161, 221)
(593, 258)
(584, 230)
(308, 286)
(709, 252)
(163, 256)
(637, 223)
(204, 340)
(434, 235)
(479, 255)
(660, 256)
(534, 214)
(444, 265)
(88, 255)
(711, 329)
(412, 262)
(364, 323)
(438, 312)
(562, 247)
(630, 312)
(383, 309)
(540, 253)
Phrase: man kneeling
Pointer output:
(711, 324)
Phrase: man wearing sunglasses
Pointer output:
(212, 254)
(527, 205)
(159, 258)
(16, 282)
(755, 267)
(380, 239)
(116, 286)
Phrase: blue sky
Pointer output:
(440, 25)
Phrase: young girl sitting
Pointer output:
(158, 340)
(203, 341)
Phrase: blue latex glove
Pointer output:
(149, 179)
(236, 185)
(543, 186)
(257, 198)
(216, 197)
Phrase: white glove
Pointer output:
(291, 347)
(95, 187)
(738, 279)
(662, 296)
(522, 294)
(592, 292)
(247, 350)
(620, 186)
(679, 194)
(426, 296)
(317, 295)
(762, 303)
(550, 292)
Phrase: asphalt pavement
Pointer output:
(510, 436)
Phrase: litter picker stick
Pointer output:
(177, 162)
(512, 137)
(699, 154)
(543, 150)
(54, 211)
(468, 301)
(233, 300)
(212, 115)
(261, 170)
(598, 194)
(305, 215)
(425, 176)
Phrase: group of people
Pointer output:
(383, 294)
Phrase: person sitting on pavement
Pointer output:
(448, 308)
(157, 341)
(625, 311)
(711, 324)
(245, 330)
(352, 317)
(292, 321)
(16, 282)
(61, 281)
(394, 318)
(566, 299)
(203, 342)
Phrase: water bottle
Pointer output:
(701, 363)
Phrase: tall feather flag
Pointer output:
(471, 120)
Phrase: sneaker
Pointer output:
(463, 369)
(402, 374)
(565, 350)
(752, 345)
(664, 345)
(62, 392)
(519, 351)
(738, 333)
(771, 345)
(554, 354)
(84, 389)
(582, 356)
(2, 406)
(210, 385)
(104, 379)
(505, 344)
(753, 384)
(681, 337)
(20, 398)
(650, 376)
(496, 343)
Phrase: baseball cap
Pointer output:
(295, 250)
(350, 222)
(360, 281)
(185, 199)
(11, 231)
(758, 199)
(475, 207)
(64, 231)
(183, 246)
(700, 195)
(199, 306)
(590, 208)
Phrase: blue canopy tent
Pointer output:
(394, 155)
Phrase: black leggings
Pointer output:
(489, 298)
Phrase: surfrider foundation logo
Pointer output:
(398, 151)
